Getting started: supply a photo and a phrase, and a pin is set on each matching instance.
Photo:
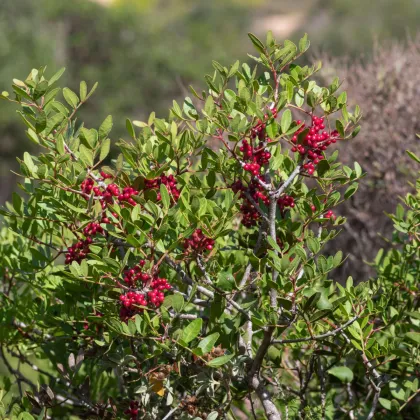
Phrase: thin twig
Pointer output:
(317, 337)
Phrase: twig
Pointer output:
(322, 386)
(168, 416)
(255, 204)
(230, 301)
(374, 404)
(187, 279)
(256, 383)
(288, 181)
(317, 337)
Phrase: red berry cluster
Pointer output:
(258, 157)
(330, 215)
(286, 201)
(259, 129)
(250, 214)
(133, 275)
(127, 194)
(170, 183)
(198, 242)
(106, 176)
(314, 142)
(78, 251)
(151, 295)
(133, 411)
(93, 228)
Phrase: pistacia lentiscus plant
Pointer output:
(185, 279)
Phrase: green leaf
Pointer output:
(358, 169)
(413, 156)
(25, 416)
(83, 90)
(17, 203)
(226, 281)
(257, 43)
(70, 97)
(164, 194)
(41, 122)
(351, 190)
(286, 120)
(56, 76)
(356, 131)
(340, 128)
(220, 361)
(130, 128)
(207, 343)
(21, 92)
(397, 390)
(310, 303)
(86, 155)
(32, 136)
(413, 336)
(313, 245)
(60, 145)
(105, 127)
(209, 106)
(385, 403)
(304, 43)
(213, 415)
(176, 301)
(342, 372)
(92, 91)
(192, 330)
(105, 147)
(27, 158)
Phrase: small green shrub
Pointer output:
(183, 281)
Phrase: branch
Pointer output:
(230, 301)
(255, 204)
(186, 278)
(272, 223)
(269, 407)
(168, 416)
(288, 181)
(374, 404)
(255, 382)
(317, 337)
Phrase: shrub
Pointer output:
(386, 86)
(182, 282)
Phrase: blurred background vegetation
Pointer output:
(144, 53)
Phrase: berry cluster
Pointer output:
(160, 284)
(78, 251)
(127, 194)
(133, 411)
(257, 157)
(286, 201)
(152, 297)
(170, 183)
(106, 176)
(93, 228)
(133, 275)
(330, 215)
(314, 143)
(250, 214)
(198, 242)
(259, 129)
